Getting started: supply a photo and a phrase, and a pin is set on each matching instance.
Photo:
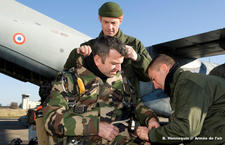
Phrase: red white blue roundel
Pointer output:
(19, 38)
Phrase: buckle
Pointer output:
(73, 141)
(71, 104)
(80, 109)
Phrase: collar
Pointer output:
(91, 66)
(169, 79)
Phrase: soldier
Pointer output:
(135, 64)
(102, 112)
(197, 101)
(218, 71)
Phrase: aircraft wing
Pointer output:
(202, 45)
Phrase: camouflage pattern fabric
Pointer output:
(103, 101)
(135, 71)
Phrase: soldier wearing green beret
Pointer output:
(135, 63)
(99, 110)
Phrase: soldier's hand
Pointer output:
(131, 53)
(147, 143)
(107, 131)
(153, 123)
(84, 50)
(142, 133)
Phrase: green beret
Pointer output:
(110, 9)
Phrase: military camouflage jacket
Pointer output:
(135, 71)
(103, 101)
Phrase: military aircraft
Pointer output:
(34, 47)
(26, 35)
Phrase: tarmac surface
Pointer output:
(11, 129)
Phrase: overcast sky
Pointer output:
(151, 21)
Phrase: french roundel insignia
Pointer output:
(19, 38)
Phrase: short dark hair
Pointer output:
(103, 45)
(161, 59)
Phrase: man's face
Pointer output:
(158, 76)
(110, 26)
(112, 63)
